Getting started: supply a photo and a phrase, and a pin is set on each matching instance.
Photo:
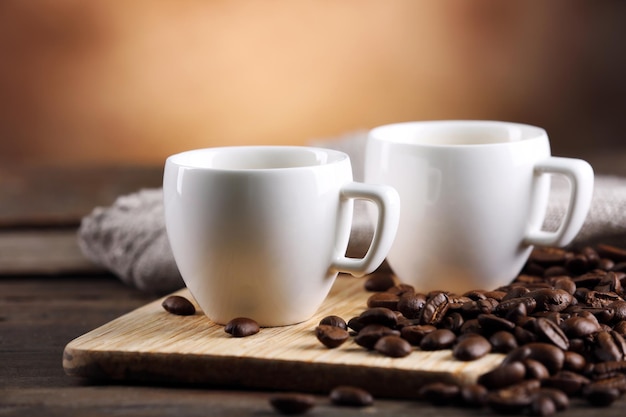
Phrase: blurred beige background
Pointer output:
(84, 82)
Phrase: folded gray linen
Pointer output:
(128, 238)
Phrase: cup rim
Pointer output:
(400, 133)
(209, 158)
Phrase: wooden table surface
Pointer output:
(49, 295)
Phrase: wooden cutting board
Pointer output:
(152, 346)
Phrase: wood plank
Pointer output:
(36, 195)
(152, 345)
(42, 252)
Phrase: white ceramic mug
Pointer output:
(261, 231)
(474, 196)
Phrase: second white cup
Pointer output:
(474, 196)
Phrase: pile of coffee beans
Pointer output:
(561, 325)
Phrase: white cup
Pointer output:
(474, 196)
(261, 231)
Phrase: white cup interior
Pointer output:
(257, 157)
(456, 132)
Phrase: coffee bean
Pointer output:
(555, 271)
(593, 257)
(487, 306)
(497, 295)
(597, 299)
(393, 346)
(577, 264)
(529, 280)
(578, 345)
(411, 304)
(242, 327)
(564, 283)
(471, 348)
(529, 386)
(378, 315)
(570, 383)
(503, 375)
(555, 317)
(383, 299)
(502, 342)
(604, 316)
(404, 322)
(292, 403)
(470, 310)
(601, 396)
(439, 393)
(617, 381)
(619, 309)
(558, 397)
(474, 395)
(491, 323)
(379, 282)
(350, 396)
(610, 283)
(620, 327)
(415, 334)
(578, 327)
(355, 324)
(505, 307)
(400, 289)
(452, 321)
(475, 295)
(609, 346)
(551, 356)
(437, 340)
(507, 401)
(548, 331)
(548, 256)
(369, 335)
(515, 291)
(518, 354)
(435, 309)
(457, 301)
(608, 265)
(551, 300)
(335, 321)
(517, 314)
(609, 367)
(470, 326)
(574, 362)
(589, 314)
(612, 252)
(524, 336)
(331, 336)
(535, 369)
(542, 405)
(588, 280)
(175, 304)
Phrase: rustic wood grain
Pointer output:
(37, 195)
(151, 344)
(43, 251)
(42, 206)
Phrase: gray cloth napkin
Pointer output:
(129, 239)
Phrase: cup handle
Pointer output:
(388, 203)
(580, 176)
